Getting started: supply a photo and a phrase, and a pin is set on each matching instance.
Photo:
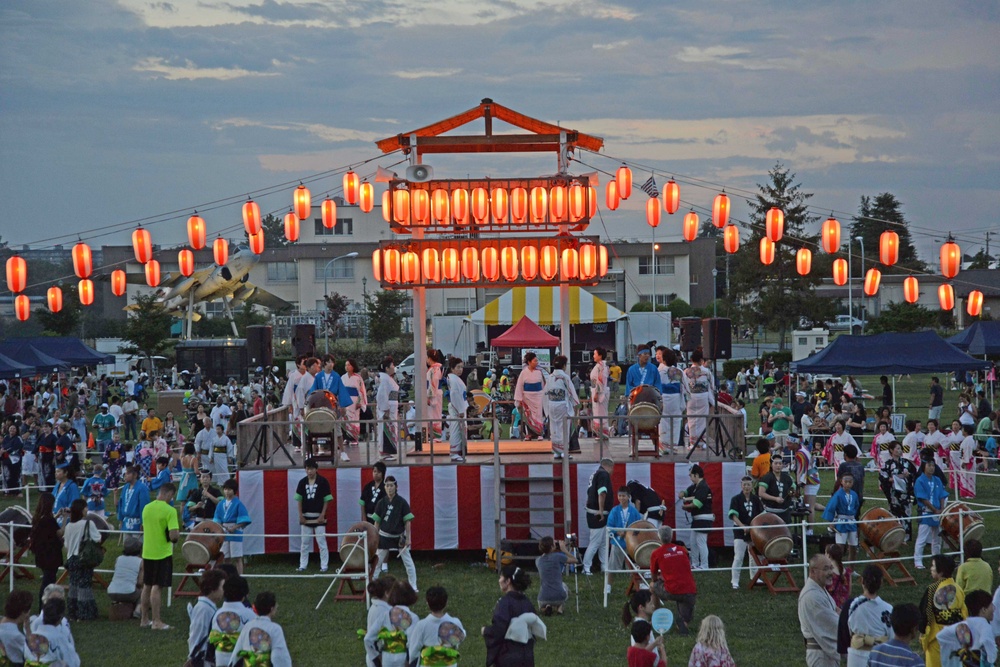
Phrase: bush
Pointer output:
(642, 307)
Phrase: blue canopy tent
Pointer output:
(68, 349)
(12, 369)
(979, 338)
(888, 354)
(24, 353)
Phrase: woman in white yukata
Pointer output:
(435, 395)
(868, 619)
(599, 394)
(701, 397)
(387, 408)
(672, 381)
(528, 397)
(458, 407)
(355, 387)
(963, 463)
(562, 401)
(882, 443)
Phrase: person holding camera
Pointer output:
(160, 531)
(552, 590)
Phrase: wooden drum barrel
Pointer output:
(645, 409)
(885, 536)
(972, 524)
(641, 545)
(204, 544)
(21, 518)
(771, 537)
(103, 527)
(352, 550)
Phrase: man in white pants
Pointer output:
(313, 496)
(743, 507)
(598, 508)
(393, 519)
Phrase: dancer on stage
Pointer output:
(599, 394)
(435, 396)
(355, 387)
(458, 408)
(701, 397)
(562, 401)
(387, 407)
(642, 372)
(671, 388)
(528, 397)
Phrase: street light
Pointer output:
(652, 256)
(326, 293)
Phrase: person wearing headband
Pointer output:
(642, 373)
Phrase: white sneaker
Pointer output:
(736, 587)
(344, 456)
(458, 459)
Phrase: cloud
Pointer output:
(190, 72)
(611, 46)
(425, 73)
(322, 132)
(729, 56)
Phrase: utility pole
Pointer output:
(988, 262)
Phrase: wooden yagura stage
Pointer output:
(454, 505)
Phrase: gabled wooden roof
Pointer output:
(542, 136)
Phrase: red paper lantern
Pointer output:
(401, 206)
(386, 206)
(17, 273)
(431, 265)
(671, 196)
(83, 263)
(142, 245)
(539, 204)
(623, 177)
(766, 251)
(479, 205)
(558, 204)
(775, 224)
(974, 304)
(251, 218)
(588, 255)
(390, 266)
(653, 212)
(831, 235)
(509, 263)
(529, 262)
(570, 264)
(470, 264)
(421, 202)
(328, 213)
(291, 226)
(153, 273)
(720, 210)
(185, 260)
(351, 186)
(450, 264)
(946, 296)
(256, 243)
(840, 271)
(409, 267)
(612, 199)
(690, 226)
(519, 205)
(22, 307)
(592, 201)
(491, 264)
(302, 202)
(602, 261)
(951, 259)
(460, 206)
(578, 202)
(220, 250)
(731, 239)
(366, 197)
(85, 290)
(440, 206)
(499, 206)
(377, 265)
(196, 231)
(549, 263)
(55, 299)
(119, 281)
(803, 261)
(911, 290)
(888, 248)
(872, 280)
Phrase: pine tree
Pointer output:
(884, 213)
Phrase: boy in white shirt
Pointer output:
(436, 637)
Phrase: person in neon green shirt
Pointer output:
(160, 530)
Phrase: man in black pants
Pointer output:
(598, 508)
(371, 494)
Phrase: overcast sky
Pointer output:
(115, 111)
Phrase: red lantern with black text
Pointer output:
(85, 290)
(570, 264)
(671, 196)
(951, 258)
(401, 206)
(946, 296)
(119, 281)
(153, 273)
(17, 273)
(256, 242)
(431, 266)
(558, 204)
(460, 206)
(328, 213)
(974, 304)
(803, 261)
(251, 218)
(55, 298)
(538, 204)
(499, 206)
(623, 177)
(142, 245)
(196, 231)
(911, 290)
(509, 263)
(840, 271)
(491, 264)
(872, 280)
(653, 212)
(440, 206)
(720, 210)
(351, 186)
(390, 266)
(420, 200)
(888, 248)
(479, 205)
(588, 255)
(548, 265)
(612, 199)
(220, 251)
(519, 205)
(529, 262)
(366, 197)
(302, 202)
(185, 261)
(831, 235)
(291, 227)
(450, 264)
(470, 264)
(578, 204)
(409, 267)
(22, 307)
(775, 224)
(731, 239)
(766, 251)
(83, 262)
(690, 226)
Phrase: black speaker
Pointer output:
(259, 350)
(304, 340)
(690, 333)
(717, 335)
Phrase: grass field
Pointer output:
(762, 629)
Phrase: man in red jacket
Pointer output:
(670, 570)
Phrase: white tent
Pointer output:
(542, 306)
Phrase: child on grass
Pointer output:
(437, 636)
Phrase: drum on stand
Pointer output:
(886, 536)
(645, 409)
(103, 527)
(641, 545)
(352, 551)
(21, 518)
(971, 524)
(771, 536)
(204, 544)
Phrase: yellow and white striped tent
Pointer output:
(541, 305)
